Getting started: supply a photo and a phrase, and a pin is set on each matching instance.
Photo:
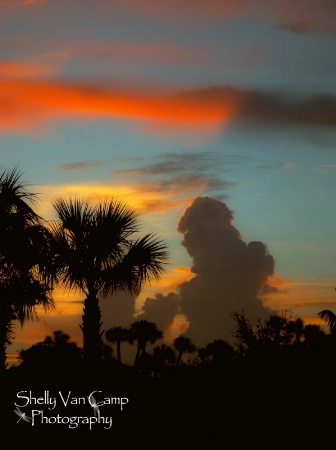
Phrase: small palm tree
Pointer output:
(220, 351)
(162, 356)
(25, 269)
(183, 345)
(313, 335)
(144, 332)
(117, 335)
(295, 328)
(96, 255)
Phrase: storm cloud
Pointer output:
(229, 273)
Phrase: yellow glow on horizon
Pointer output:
(304, 299)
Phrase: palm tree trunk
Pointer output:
(179, 357)
(92, 341)
(137, 356)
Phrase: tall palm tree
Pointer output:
(25, 269)
(97, 255)
(144, 332)
(117, 335)
(183, 345)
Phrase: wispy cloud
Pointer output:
(314, 16)
(175, 173)
(80, 165)
(310, 16)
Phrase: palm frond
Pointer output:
(328, 316)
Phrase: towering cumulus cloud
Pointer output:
(230, 274)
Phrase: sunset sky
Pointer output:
(214, 119)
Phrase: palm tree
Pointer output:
(314, 335)
(144, 332)
(118, 335)
(330, 318)
(97, 256)
(220, 351)
(162, 356)
(25, 268)
(295, 328)
(183, 345)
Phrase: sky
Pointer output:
(214, 119)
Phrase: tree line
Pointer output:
(279, 338)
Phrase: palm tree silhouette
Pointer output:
(183, 345)
(25, 269)
(162, 356)
(97, 256)
(58, 339)
(144, 332)
(220, 351)
(117, 335)
(295, 328)
(330, 318)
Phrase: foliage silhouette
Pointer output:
(183, 345)
(162, 356)
(118, 335)
(330, 318)
(237, 378)
(53, 351)
(280, 338)
(220, 351)
(97, 256)
(25, 265)
(144, 332)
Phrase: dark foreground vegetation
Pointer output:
(276, 383)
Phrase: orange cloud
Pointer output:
(304, 299)
(27, 105)
(22, 69)
(178, 326)
(277, 281)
